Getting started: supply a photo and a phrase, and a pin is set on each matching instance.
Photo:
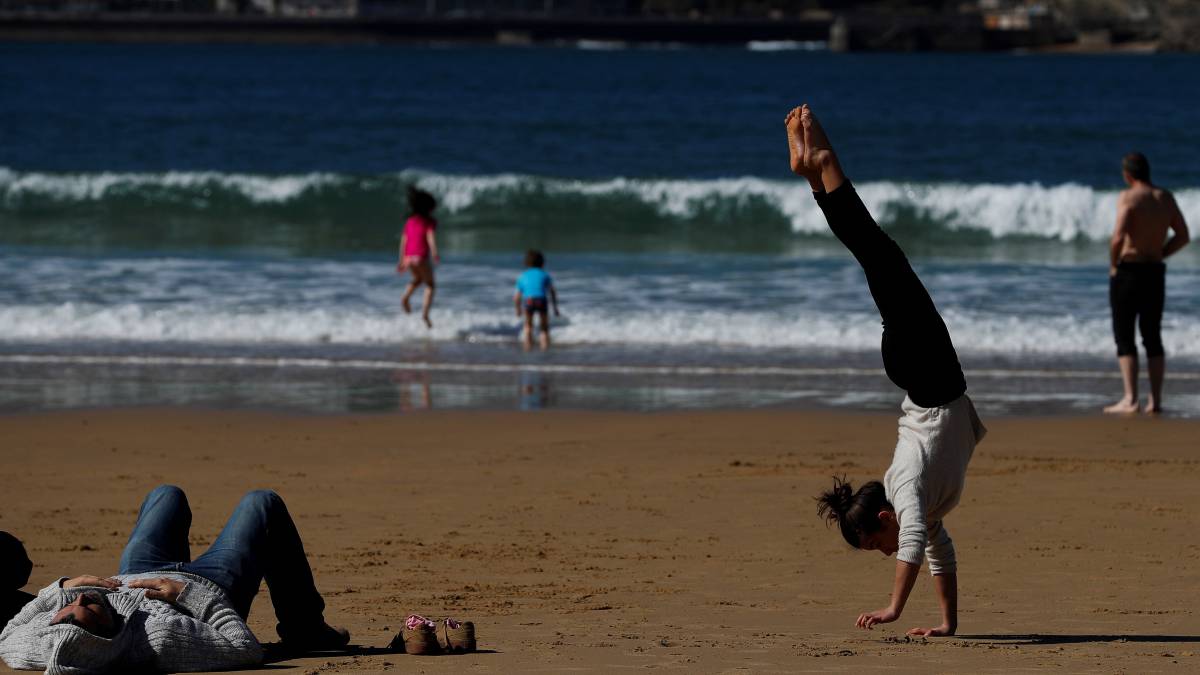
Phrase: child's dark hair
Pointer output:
(420, 202)
(534, 258)
(856, 513)
(1137, 166)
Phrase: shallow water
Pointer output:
(228, 203)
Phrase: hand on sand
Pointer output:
(869, 619)
(941, 631)
(89, 580)
(162, 588)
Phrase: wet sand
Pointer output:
(686, 541)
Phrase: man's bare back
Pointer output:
(1145, 213)
(1137, 284)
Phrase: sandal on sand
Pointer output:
(456, 637)
(418, 637)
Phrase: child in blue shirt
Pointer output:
(534, 286)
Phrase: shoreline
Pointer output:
(497, 378)
(598, 541)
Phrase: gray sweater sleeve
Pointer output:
(213, 637)
(910, 511)
(18, 635)
(940, 550)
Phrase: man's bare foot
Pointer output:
(1152, 407)
(1126, 406)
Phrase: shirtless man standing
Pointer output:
(1137, 277)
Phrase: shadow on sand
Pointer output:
(1050, 639)
(275, 653)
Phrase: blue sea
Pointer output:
(217, 225)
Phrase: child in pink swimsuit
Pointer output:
(418, 249)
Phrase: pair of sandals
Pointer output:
(428, 637)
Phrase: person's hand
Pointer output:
(869, 619)
(1112, 270)
(941, 631)
(89, 580)
(164, 589)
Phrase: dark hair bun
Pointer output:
(833, 504)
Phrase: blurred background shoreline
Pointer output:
(838, 25)
(216, 225)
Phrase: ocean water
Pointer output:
(216, 225)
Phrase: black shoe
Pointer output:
(319, 638)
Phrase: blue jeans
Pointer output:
(258, 542)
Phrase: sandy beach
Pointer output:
(600, 542)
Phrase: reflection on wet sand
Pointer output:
(534, 390)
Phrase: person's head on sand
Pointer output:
(15, 565)
(420, 202)
(866, 518)
(1135, 168)
(534, 258)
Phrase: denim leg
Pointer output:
(259, 542)
(160, 538)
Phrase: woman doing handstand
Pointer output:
(939, 429)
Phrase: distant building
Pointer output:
(1015, 15)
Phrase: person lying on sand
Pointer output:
(939, 429)
(166, 612)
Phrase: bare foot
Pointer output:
(818, 151)
(1126, 406)
(405, 305)
(428, 323)
(795, 136)
(1152, 408)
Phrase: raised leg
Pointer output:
(160, 536)
(408, 291)
(918, 353)
(259, 542)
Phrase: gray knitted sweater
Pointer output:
(199, 631)
(927, 476)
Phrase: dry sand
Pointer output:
(688, 541)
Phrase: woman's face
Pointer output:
(887, 539)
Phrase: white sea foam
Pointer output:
(1063, 212)
(804, 330)
(96, 186)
